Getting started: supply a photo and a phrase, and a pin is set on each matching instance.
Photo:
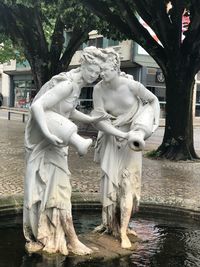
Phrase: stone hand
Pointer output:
(54, 140)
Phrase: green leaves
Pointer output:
(28, 3)
(8, 51)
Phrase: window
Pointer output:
(112, 42)
(98, 42)
(160, 93)
(24, 93)
(197, 109)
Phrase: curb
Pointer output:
(10, 205)
(13, 205)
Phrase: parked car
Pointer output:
(1, 99)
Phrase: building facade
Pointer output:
(17, 86)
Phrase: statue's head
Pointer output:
(110, 69)
(91, 60)
(111, 58)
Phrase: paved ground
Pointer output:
(165, 183)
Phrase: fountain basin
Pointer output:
(162, 241)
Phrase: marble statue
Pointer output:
(132, 116)
(47, 218)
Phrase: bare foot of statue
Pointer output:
(125, 242)
(100, 229)
(32, 247)
(79, 248)
(131, 232)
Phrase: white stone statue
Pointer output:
(47, 218)
(133, 115)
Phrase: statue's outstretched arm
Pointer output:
(79, 116)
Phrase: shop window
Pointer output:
(112, 42)
(24, 92)
(98, 42)
(160, 93)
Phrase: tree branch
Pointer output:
(21, 29)
(102, 10)
(194, 26)
(129, 25)
(78, 36)
(154, 14)
(176, 14)
(57, 41)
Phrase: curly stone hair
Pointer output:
(92, 55)
(111, 57)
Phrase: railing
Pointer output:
(19, 111)
(162, 109)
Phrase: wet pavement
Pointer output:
(165, 183)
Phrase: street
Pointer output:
(154, 141)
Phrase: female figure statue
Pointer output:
(47, 220)
(133, 114)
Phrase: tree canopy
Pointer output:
(123, 15)
(36, 28)
(177, 55)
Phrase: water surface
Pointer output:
(167, 241)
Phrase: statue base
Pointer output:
(103, 244)
(105, 248)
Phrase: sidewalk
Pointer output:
(164, 183)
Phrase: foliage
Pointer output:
(177, 55)
(8, 51)
(123, 16)
(154, 154)
(36, 29)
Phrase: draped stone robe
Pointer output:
(121, 166)
(47, 189)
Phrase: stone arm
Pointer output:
(46, 102)
(143, 93)
(79, 116)
(104, 126)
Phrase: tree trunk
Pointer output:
(178, 142)
(40, 71)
